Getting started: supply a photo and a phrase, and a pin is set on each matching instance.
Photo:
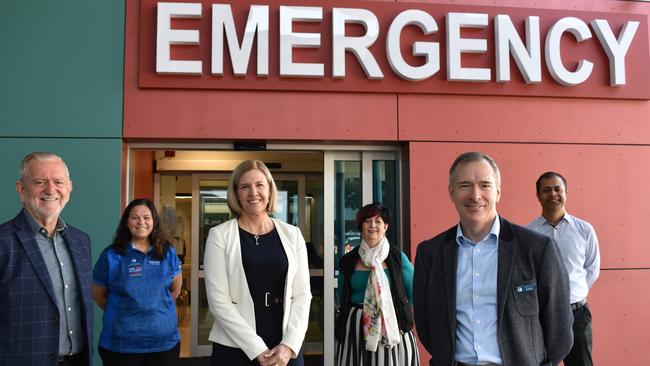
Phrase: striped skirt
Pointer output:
(351, 351)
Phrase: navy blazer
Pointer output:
(534, 327)
(29, 316)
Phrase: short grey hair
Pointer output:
(39, 156)
(471, 156)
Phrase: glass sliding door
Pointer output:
(352, 180)
(211, 209)
(300, 203)
(322, 200)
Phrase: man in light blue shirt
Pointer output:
(487, 291)
(578, 245)
(476, 298)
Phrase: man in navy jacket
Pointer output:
(45, 274)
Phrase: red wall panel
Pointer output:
(606, 186)
(619, 303)
(192, 114)
(597, 85)
(196, 114)
(601, 146)
(500, 119)
(143, 171)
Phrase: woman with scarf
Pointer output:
(374, 326)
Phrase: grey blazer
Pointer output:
(534, 327)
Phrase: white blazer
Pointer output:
(229, 297)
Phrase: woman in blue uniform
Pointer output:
(136, 280)
(374, 326)
(256, 277)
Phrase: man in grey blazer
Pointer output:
(486, 291)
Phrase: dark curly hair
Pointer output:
(122, 237)
(372, 210)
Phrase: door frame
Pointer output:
(198, 273)
(331, 153)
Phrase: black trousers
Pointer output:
(79, 359)
(164, 358)
(580, 354)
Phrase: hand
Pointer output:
(261, 358)
(278, 356)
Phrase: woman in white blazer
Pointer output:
(256, 277)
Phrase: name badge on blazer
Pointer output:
(529, 287)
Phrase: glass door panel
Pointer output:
(212, 207)
(300, 203)
(213, 210)
(313, 234)
(385, 183)
(352, 180)
(347, 200)
(287, 205)
(173, 198)
(342, 173)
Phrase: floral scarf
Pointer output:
(379, 319)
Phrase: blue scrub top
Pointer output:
(140, 314)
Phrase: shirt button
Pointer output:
(478, 347)
(478, 322)
(477, 274)
(61, 263)
(66, 286)
(478, 250)
(70, 332)
(69, 309)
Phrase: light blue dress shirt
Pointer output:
(67, 292)
(476, 298)
(577, 243)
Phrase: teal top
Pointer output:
(359, 281)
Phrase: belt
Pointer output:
(270, 299)
(577, 305)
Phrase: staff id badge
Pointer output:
(135, 268)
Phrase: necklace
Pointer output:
(255, 236)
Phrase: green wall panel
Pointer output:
(95, 168)
(61, 68)
(61, 90)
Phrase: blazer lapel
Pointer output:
(505, 265)
(33, 252)
(288, 245)
(450, 261)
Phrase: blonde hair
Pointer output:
(241, 169)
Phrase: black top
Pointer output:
(265, 264)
